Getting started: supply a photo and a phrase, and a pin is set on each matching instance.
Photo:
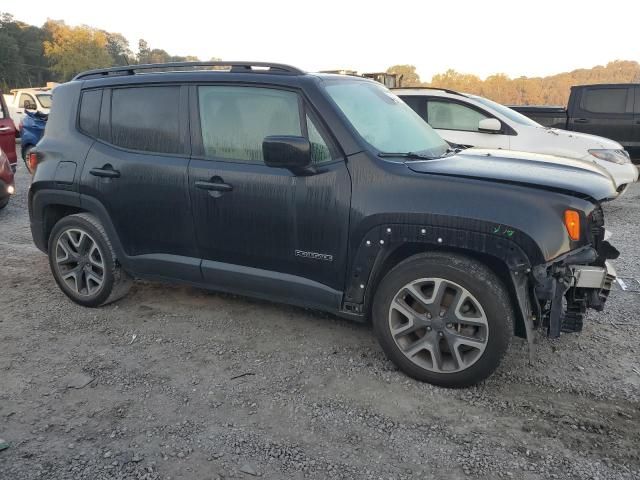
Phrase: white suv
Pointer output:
(473, 121)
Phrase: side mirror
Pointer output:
(490, 125)
(30, 106)
(287, 151)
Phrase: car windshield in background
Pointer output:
(385, 121)
(45, 100)
(507, 112)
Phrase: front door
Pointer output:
(138, 171)
(259, 229)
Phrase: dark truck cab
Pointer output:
(323, 191)
(606, 110)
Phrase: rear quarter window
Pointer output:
(146, 119)
(89, 118)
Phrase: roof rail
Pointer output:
(446, 90)
(234, 67)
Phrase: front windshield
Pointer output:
(385, 121)
(45, 100)
(506, 111)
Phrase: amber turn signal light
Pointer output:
(572, 222)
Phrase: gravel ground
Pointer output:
(174, 382)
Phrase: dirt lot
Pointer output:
(174, 382)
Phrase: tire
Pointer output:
(461, 319)
(25, 157)
(4, 202)
(80, 254)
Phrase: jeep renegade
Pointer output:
(318, 190)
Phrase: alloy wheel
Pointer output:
(438, 325)
(79, 262)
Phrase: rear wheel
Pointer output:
(4, 202)
(443, 318)
(83, 262)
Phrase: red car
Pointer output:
(7, 187)
(7, 134)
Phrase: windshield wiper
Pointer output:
(413, 155)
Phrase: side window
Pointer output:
(89, 118)
(320, 151)
(417, 103)
(27, 101)
(604, 100)
(453, 116)
(146, 119)
(235, 120)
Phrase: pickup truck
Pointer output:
(607, 110)
(36, 99)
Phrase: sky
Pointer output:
(517, 37)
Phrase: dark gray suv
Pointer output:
(323, 191)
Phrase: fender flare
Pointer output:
(46, 197)
(512, 247)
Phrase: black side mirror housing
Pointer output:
(287, 151)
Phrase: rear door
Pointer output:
(266, 230)
(7, 133)
(137, 171)
(604, 110)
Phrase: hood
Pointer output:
(531, 169)
(583, 140)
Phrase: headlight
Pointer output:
(616, 156)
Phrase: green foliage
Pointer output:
(22, 59)
(74, 49)
(31, 56)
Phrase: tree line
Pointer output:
(32, 56)
(550, 90)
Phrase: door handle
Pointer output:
(581, 120)
(5, 129)
(214, 186)
(106, 171)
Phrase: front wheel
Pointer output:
(443, 318)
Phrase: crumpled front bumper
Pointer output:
(567, 287)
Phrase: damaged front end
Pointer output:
(566, 287)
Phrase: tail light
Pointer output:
(33, 161)
(572, 222)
